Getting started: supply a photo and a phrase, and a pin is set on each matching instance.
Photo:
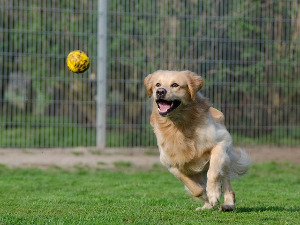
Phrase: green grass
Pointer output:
(268, 194)
(122, 164)
(78, 153)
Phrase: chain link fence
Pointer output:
(247, 52)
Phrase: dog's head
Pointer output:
(170, 89)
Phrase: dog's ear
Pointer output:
(148, 85)
(194, 83)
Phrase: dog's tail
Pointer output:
(240, 163)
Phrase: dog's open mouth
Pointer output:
(165, 107)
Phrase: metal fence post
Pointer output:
(101, 73)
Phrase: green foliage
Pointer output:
(131, 137)
(268, 194)
(63, 132)
(44, 131)
(34, 131)
(279, 136)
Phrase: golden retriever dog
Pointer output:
(193, 142)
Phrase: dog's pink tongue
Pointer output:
(164, 106)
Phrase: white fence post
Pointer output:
(101, 73)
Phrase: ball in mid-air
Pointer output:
(78, 61)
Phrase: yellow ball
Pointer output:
(78, 61)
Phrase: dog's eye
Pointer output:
(174, 85)
(157, 85)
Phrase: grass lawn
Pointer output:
(268, 194)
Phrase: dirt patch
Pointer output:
(139, 158)
(69, 158)
(260, 154)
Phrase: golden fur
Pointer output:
(193, 142)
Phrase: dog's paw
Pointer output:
(227, 208)
(205, 206)
(214, 200)
(213, 194)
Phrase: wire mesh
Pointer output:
(42, 103)
(246, 51)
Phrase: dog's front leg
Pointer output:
(218, 162)
(195, 189)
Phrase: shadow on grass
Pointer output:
(266, 209)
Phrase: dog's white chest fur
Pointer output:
(188, 154)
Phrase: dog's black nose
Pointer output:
(161, 93)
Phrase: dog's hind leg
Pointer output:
(229, 196)
(194, 188)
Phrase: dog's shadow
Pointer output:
(265, 209)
